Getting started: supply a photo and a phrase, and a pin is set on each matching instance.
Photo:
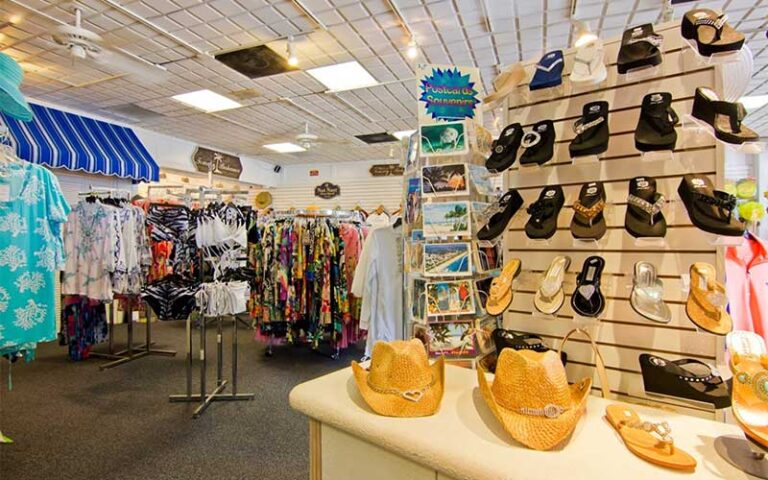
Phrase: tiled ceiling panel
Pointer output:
(182, 36)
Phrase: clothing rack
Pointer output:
(205, 398)
(131, 352)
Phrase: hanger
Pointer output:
(381, 209)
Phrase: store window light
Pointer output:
(285, 148)
(403, 134)
(343, 76)
(754, 102)
(207, 101)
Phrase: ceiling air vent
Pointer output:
(382, 137)
(130, 112)
(255, 62)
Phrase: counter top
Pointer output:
(464, 439)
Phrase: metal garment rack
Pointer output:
(205, 398)
(131, 352)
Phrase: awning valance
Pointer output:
(65, 140)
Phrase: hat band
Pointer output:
(412, 395)
(549, 411)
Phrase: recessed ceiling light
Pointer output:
(754, 102)
(343, 76)
(207, 101)
(285, 147)
(403, 134)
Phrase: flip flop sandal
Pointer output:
(706, 301)
(743, 344)
(587, 300)
(709, 209)
(588, 65)
(504, 149)
(644, 205)
(711, 32)
(591, 129)
(725, 118)
(539, 144)
(543, 222)
(588, 220)
(500, 296)
(549, 71)
(686, 378)
(656, 126)
(640, 47)
(550, 296)
(500, 215)
(650, 441)
(647, 291)
(520, 341)
(750, 397)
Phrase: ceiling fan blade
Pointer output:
(123, 62)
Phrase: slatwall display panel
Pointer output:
(368, 193)
(73, 183)
(621, 333)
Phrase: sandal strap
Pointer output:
(582, 125)
(651, 209)
(661, 429)
(591, 212)
(716, 23)
(541, 210)
(725, 202)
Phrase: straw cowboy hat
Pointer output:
(400, 381)
(263, 200)
(531, 397)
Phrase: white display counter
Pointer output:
(463, 441)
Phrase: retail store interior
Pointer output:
(383, 239)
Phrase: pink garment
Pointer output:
(746, 284)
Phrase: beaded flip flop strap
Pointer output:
(717, 24)
(661, 429)
(651, 209)
(581, 126)
(591, 212)
(724, 202)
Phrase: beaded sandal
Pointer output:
(686, 378)
(588, 220)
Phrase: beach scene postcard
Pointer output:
(454, 297)
(447, 259)
(446, 219)
(451, 339)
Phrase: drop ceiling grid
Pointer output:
(449, 31)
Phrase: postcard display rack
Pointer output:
(446, 194)
(621, 333)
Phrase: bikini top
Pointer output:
(223, 298)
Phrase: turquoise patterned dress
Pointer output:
(32, 211)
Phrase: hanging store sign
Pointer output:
(447, 93)
(387, 170)
(327, 191)
(224, 164)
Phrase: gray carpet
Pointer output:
(72, 421)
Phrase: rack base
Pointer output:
(216, 395)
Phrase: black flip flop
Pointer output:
(588, 220)
(639, 48)
(539, 144)
(544, 212)
(710, 210)
(592, 133)
(587, 299)
(686, 378)
(725, 118)
(507, 206)
(656, 125)
(644, 204)
(711, 32)
(504, 149)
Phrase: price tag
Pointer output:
(5, 192)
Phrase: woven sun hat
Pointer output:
(400, 381)
(12, 101)
(505, 83)
(531, 397)
(263, 200)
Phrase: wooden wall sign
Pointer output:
(386, 170)
(327, 191)
(224, 164)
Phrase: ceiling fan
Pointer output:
(308, 140)
(83, 44)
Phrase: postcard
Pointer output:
(447, 219)
(481, 179)
(447, 259)
(440, 139)
(417, 235)
(454, 297)
(452, 339)
(413, 202)
(444, 180)
(488, 258)
(413, 150)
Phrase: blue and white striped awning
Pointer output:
(65, 140)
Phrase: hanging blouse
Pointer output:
(32, 210)
(136, 258)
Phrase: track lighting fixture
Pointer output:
(413, 49)
(293, 60)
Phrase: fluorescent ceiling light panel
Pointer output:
(343, 76)
(754, 102)
(207, 101)
(403, 134)
(285, 147)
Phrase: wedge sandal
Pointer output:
(724, 118)
(711, 32)
(710, 210)
(588, 220)
(542, 224)
(656, 125)
(644, 217)
(686, 378)
(504, 148)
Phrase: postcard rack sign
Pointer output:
(621, 333)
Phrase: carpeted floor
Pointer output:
(72, 421)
